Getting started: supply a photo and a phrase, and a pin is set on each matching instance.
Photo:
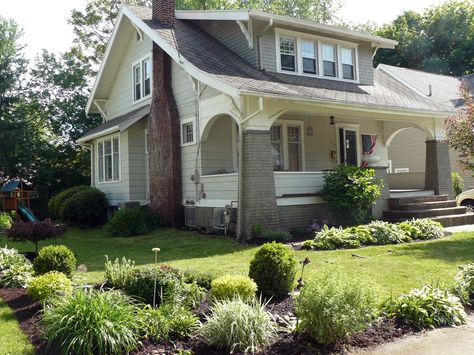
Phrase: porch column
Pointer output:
(382, 202)
(438, 168)
(257, 197)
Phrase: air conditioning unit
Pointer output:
(190, 216)
(219, 218)
(127, 205)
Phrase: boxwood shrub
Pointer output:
(49, 285)
(273, 268)
(87, 208)
(55, 258)
(130, 222)
(231, 286)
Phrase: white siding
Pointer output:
(121, 95)
(136, 159)
(217, 154)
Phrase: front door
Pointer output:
(348, 146)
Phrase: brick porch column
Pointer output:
(438, 168)
(382, 203)
(258, 198)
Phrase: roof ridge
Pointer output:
(419, 71)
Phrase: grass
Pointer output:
(12, 339)
(392, 269)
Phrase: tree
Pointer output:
(460, 132)
(441, 40)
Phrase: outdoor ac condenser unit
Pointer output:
(128, 205)
(190, 216)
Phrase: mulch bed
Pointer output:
(28, 314)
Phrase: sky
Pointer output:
(44, 22)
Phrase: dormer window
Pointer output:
(316, 56)
(347, 59)
(288, 53)
(142, 79)
(329, 60)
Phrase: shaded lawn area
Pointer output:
(391, 269)
(12, 339)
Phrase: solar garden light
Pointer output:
(156, 251)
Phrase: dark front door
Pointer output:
(348, 146)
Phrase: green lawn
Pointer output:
(12, 339)
(391, 269)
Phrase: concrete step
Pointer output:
(430, 213)
(393, 203)
(446, 221)
(426, 205)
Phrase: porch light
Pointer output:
(332, 120)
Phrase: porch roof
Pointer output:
(191, 44)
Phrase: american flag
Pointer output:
(368, 146)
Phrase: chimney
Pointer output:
(164, 12)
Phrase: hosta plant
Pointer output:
(424, 229)
(464, 283)
(387, 233)
(17, 275)
(236, 325)
(335, 238)
(427, 308)
(10, 257)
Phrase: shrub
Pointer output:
(56, 203)
(423, 229)
(49, 285)
(166, 323)
(427, 308)
(16, 275)
(277, 236)
(335, 238)
(130, 222)
(464, 283)
(88, 207)
(9, 257)
(94, 322)
(350, 192)
(116, 273)
(170, 288)
(273, 269)
(202, 279)
(55, 258)
(6, 221)
(308, 245)
(238, 326)
(387, 233)
(458, 183)
(334, 307)
(230, 286)
(33, 232)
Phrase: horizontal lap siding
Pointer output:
(223, 187)
(298, 183)
(217, 149)
(136, 139)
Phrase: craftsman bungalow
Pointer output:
(208, 112)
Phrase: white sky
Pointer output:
(45, 21)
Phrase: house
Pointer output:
(407, 170)
(228, 119)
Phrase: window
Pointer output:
(277, 148)
(294, 148)
(347, 60)
(142, 79)
(308, 53)
(329, 60)
(287, 145)
(287, 54)
(187, 132)
(108, 159)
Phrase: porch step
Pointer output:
(393, 203)
(455, 220)
(426, 205)
(410, 193)
(426, 213)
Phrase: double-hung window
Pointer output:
(287, 145)
(294, 148)
(308, 53)
(277, 147)
(347, 60)
(288, 53)
(329, 60)
(108, 159)
(142, 79)
(187, 131)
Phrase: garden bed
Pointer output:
(28, 314)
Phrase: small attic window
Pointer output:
(141, 71)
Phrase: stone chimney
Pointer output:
(164, 12)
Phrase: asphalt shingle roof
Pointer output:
(212, 57)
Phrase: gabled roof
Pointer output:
(213, 64)
(444, 89)
(120, 123)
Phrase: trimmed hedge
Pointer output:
(131, 222)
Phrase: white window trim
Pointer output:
(134, 64)
(352, 127)
(319, 40)
(284, 127)
(183, 122)
(102, 140)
